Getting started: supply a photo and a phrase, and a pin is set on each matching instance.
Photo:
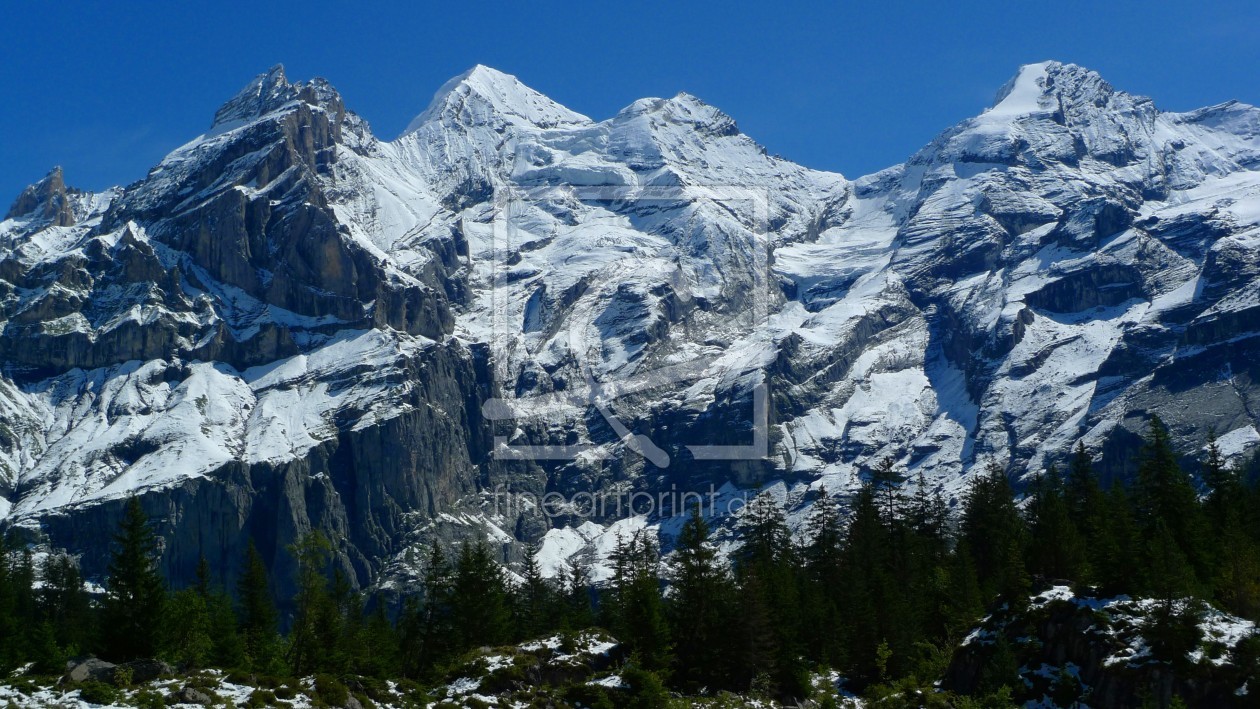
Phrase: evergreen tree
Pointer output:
(636, 609)
(866, 595)
(824, 570)
(1226, 493)
(699, 607)
(769, 556)
(64, 605)
(929, 519)
(1055, 549)
(480, 608)
(427, 631)
(1165, 496)
(534, 599)
(1117, 547)
(381, 651)
(135, 592)
(187, 639)
(306, 652)
(1087, 507)
(257, 615)
(577, 612)
(994, 533)
(886, 483)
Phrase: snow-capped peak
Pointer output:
(480, 94)
(1025, 93)
(266, 92)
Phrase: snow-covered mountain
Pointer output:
(292, 324)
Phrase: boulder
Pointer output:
(90, 670)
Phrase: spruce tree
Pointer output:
(426, 632)
(769, 556)
(1087, 507)
(306, 652)
(135, 592)
(823, 560)
(699, 607)
(480, 608)
(534, 599)
(64, 604)
(187, 639)
(636, 608)
(994, 532)
(1055, 549)
(1165, 496)
(577, 612)
(886, 483)
(257, 614)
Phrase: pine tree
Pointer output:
(886, 483)
(534, 599)
(636, 608)
(1087, 507)
(928, 517)
(257, 614)
(135, 592)
(1117, 546)
(824, 575)
(64, 605)
(306, 653)
(699, 607)
(480, 608)
(866, 573)
(1055, 549)
(426, 632)
(1226, 492)
(995, 534)
(187, 639)
(1165, 496)
(577, 612)
(769, 556)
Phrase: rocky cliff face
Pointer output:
(292, 324)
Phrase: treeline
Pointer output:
(882, 595)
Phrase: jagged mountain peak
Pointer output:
(1051, 87)
(482, 94)
(264, 93)
(46, 199)
(270, 91)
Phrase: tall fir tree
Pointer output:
(886, 482)
(534, 602)
(258, 617)
(1055, 549)
(306, 652)
(635, 608)
(700, 607)
(480, 605)
(134, 592)
(1165, 496)
(427, 632)
(995, 534)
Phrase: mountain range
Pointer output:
(291, 324)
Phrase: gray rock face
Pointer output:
(290, 324)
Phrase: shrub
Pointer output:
(98, 693)
(261, 698)
(330, 691)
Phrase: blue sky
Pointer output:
(106, 89)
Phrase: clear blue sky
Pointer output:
(106, 89)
